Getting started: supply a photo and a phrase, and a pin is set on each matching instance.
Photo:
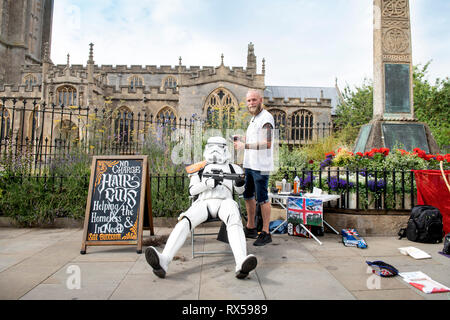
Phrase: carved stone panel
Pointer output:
(395, 41)
(396, 31)
(395, 9)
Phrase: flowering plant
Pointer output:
(384, 158)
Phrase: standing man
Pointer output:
(258, 163)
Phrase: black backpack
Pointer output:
(446, 249)
(424, 225)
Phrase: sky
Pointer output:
(304, 42)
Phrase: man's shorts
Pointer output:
(257, 183)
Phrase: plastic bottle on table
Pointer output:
(283, 185)
(296, 185)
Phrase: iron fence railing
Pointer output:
(358, 189)
(44, 132)
(34, 138)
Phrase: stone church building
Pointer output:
(28, 73)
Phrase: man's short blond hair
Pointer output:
(254, 91)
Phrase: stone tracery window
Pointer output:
(279, 117)
(124, 126)
(302, 125)
(170, 82)
(29, 80)
(166, 117)
(220, 108)
(33, 124)
(5, 123)
(136, 81)
(67, 95)
(66, 134)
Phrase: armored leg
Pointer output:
(229, 213)
(195, 215)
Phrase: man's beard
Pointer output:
(257, 110)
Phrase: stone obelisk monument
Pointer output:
(393, 123)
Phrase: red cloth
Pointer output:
(432, 191)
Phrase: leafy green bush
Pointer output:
(60, 191)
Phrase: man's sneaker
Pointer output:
(251, 233)
(263, 239)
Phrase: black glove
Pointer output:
(217, 182)
(239, 183)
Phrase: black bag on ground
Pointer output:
(424, 225)
(446, 249)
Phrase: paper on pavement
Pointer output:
(421, 281)
(414, 252)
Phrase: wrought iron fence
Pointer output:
(45, 132)
(34, 137)
(361, 189)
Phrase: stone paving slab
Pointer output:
(296, 281)
(95, 285)
(35, 264)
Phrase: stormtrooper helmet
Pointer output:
(216, 150)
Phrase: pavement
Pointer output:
(46, 264)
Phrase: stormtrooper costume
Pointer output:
(214, 199)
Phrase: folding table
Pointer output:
(277, 197)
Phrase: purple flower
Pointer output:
(379, 186)
(307, 181)
(336, 184)
(326, 162)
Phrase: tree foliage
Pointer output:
(431, 105)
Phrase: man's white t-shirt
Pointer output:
(261, 160)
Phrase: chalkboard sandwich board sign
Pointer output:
(119, 195)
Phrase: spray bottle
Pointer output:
(296, 185)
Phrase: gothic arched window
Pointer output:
(166, 117)
(302, 125)
(220, 108)
(67, 95)
(29, 80)
(33, 124)
(170, 82)
(124, 126)
(66, 134)
(279, 118)
(136, 81)
(5, 123)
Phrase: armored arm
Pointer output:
(239, 184)
(196, 185)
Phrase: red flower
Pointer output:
(420, 153)
(439, 158)
(311, 161)
(360, 154)
(385, 151)
(330, 153)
